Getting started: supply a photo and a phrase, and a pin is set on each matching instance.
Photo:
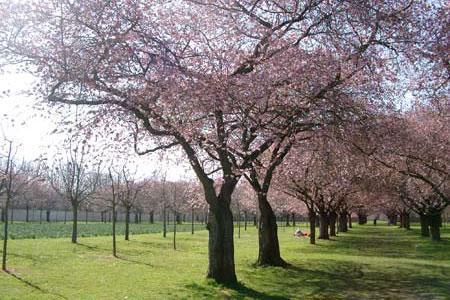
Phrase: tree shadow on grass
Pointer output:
(134, 261)
(238, 291)
(32, 285)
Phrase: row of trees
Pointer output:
(238, 86)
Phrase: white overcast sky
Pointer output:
(21, 122)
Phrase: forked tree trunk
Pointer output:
(269, 247)
(332, 220)
(221, 242)
(435, 230)
(424, 225)
(323, 227)
(312, 226)
(74, 223)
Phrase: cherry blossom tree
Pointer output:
(216, 79)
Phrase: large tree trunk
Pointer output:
(127, 224)
(221, 242)
(343, 219)
(332, 220)
(269, 247)
(424, 225)
(74, 223)
(312, 226)
(323, 227)
(435, 230)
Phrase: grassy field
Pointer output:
(35, 230)
(367, 263)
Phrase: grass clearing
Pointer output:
(367, 263)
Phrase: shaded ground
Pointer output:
(369, 263)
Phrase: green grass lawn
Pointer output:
(367, 263)
(35, 230)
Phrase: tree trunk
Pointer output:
(136, 218)
(152, 217)
(424, 225)
(164, 222)
(435, 230)
(127, 223)
(350, 221)
(114, 228)
(192, 220)
(47, 215)
(312, 226)
(175, 217)
(255, 222)
(5, 232)
(221, 266)
(74, 223)
(407, 221)
(323, 227)
(65, 216)
(293, 219)
(269, 247)
(245, 220)
(12, 214)
(343, 220)
(27, 214)
(332, 220)
(86, 216)
(362, 218)
(287, 220)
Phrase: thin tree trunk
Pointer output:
(27, 215)
(127, 223)
(192, 220)
(86, 216)
(12, 214)
(114, 228)
(293, 219)
(175, 217)
(5, 232)
(269, 247)
(164, 222)
(47, 215)
(65, 216)
(74, 223)
(245, 220)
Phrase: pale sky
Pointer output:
(28, 127)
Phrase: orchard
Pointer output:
(253, 140)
